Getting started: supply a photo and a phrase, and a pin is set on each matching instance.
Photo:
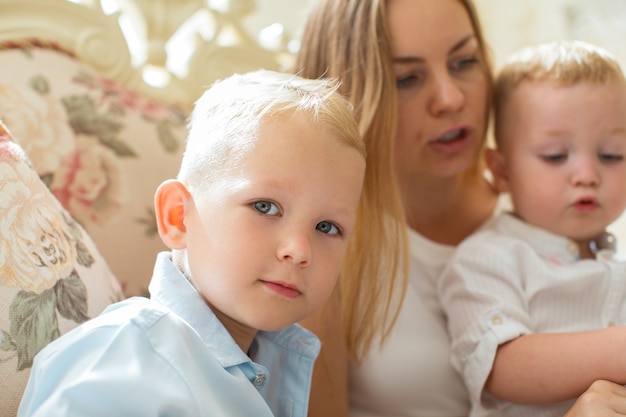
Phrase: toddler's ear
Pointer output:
(496, 162)
(170, 201)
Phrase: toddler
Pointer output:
(535, 302)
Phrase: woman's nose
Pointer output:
(447, 96)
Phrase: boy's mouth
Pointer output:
(282, 288)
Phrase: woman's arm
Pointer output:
(539, 368)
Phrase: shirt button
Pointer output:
(259, 380)
(572, 248)
(497, 320)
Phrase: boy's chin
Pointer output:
(278, 322)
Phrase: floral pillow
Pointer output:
(100, 148)
(52, 277)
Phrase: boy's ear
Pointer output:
(170, 201)
(496, 162)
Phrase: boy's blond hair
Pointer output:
(563, 63)
(226, 119)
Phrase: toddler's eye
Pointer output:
(266, 207)
(554, 158)
(328, 228)
(610, 157)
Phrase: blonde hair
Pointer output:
(226, 118)
(470, 8)
(563, 63)
(348, 39)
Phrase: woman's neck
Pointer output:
(447, 210)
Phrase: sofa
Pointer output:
(84, 142)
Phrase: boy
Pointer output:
(533, 301)
(257, 221)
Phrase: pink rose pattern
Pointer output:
(89, 183)
(75, 143)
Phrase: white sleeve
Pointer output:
(481, 291)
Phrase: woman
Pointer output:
(418, 74)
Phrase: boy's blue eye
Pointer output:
(327, 228)
(266, 207)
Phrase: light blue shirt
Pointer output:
(169, 356)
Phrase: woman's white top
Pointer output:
(411, 374)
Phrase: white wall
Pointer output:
(511, 24)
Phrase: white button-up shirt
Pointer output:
(513, 279)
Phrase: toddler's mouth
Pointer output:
(586, 203)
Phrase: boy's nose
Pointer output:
(295, 248)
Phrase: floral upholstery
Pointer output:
(52, 277)
(101, 149)
(77, 182)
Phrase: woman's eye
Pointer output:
(328, 228)
(266, 207)
(407, 81)
(554, 158)
(465, 63)
(610, 157)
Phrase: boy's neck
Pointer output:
(243, 335)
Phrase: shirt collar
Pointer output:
(172, 289)
(550, 245)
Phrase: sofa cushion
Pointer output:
(100, 148)
(52, 277)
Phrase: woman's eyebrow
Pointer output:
(415, 59)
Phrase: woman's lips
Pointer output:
(453, 141)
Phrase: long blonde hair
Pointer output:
(348, 39)
(479, 166)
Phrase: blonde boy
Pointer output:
(536, 302)
(258, 221)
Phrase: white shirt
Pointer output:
(169, 356)
(513, 279)
(411, 374)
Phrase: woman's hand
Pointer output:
(602, 399)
